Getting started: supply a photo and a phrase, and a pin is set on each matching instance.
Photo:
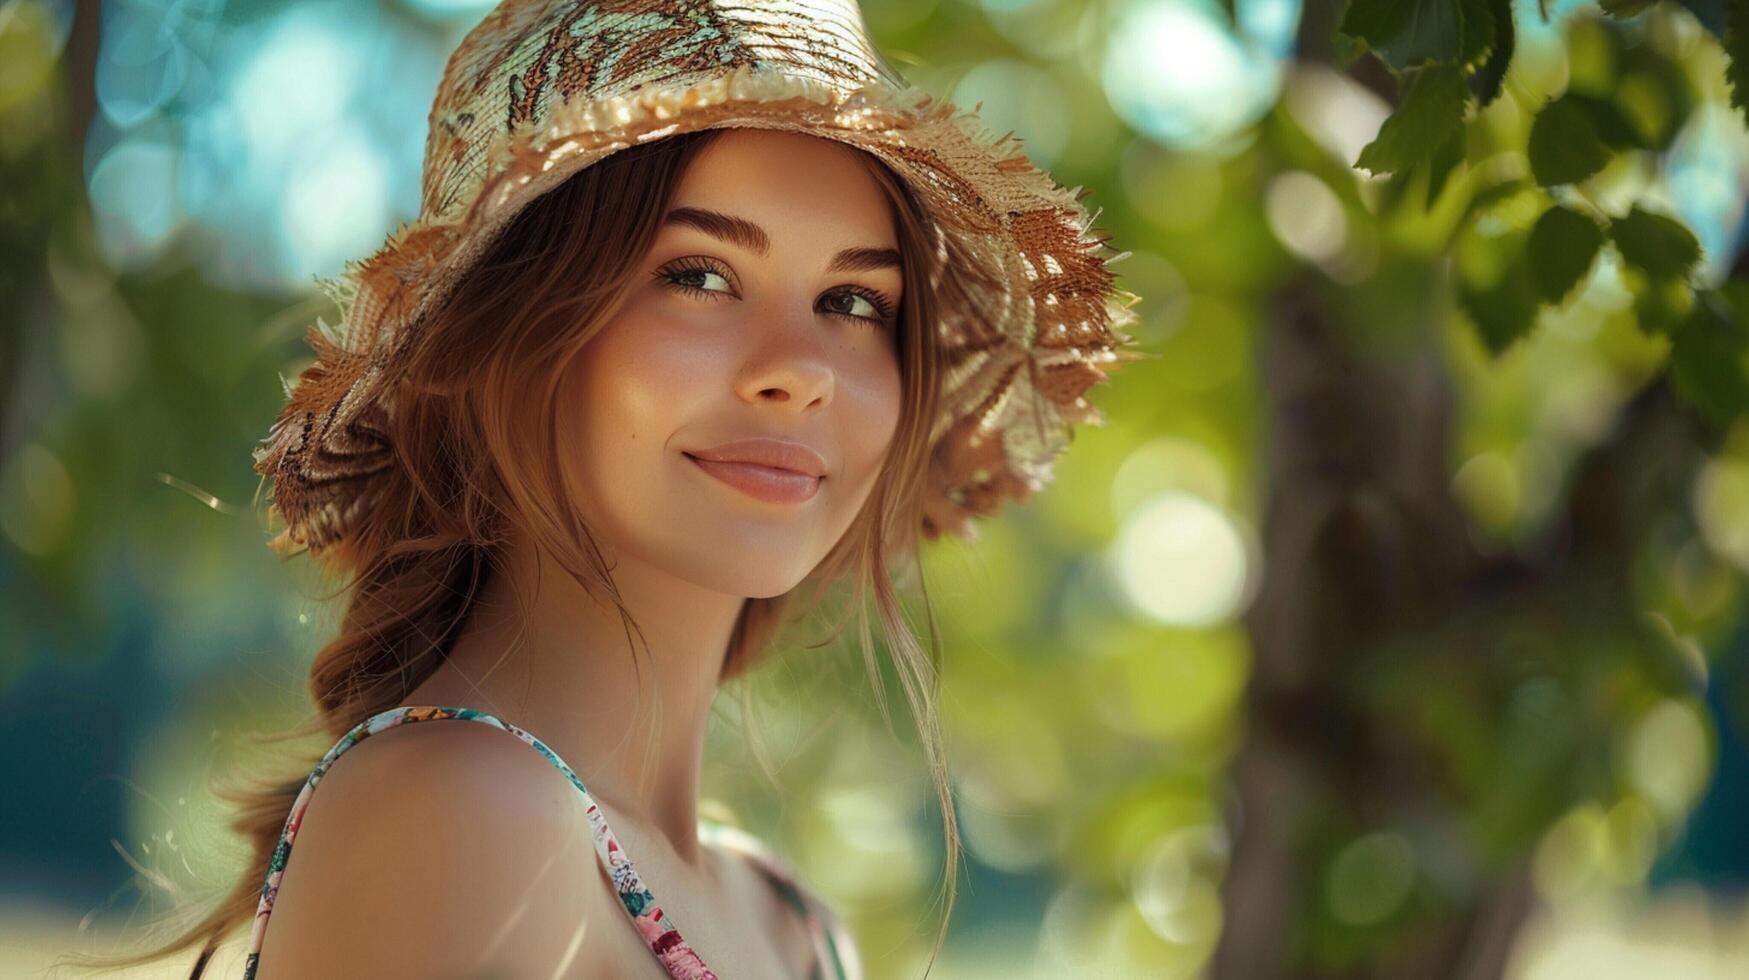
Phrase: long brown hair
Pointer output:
(475, 446)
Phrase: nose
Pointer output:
(790, 365)
(795, 383)
(803, 391)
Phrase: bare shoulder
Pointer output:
(444, 850)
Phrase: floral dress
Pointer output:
(834, 951)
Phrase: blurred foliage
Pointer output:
(1390, 595)
(1627, 98)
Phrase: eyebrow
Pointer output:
(739, 231)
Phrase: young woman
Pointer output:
(706, 322)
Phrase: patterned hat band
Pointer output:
(540, 90)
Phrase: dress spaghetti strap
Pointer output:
(833, 959)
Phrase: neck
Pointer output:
(563, 670)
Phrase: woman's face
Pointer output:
(741, 325)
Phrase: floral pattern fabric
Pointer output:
(834, 952)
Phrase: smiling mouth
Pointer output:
(766, 483)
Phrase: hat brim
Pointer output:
(1035, 321)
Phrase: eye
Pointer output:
(691, 275)
(882, 307)
(680, 275)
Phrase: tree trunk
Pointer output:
(1363, 544)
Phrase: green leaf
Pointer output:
(1506, 309)
(1660, 302)
(1445, 159)
(1432, 106)
(1709, 352)
(1491, 195)
(1504, 313)
(1406, 33)
(1736, 42)
(1485, 83)
(1614, 126)
(1661, 246)
(1624, 8)
(1655, 92)
(1564, 145)
(1563, 244)
(1478, 22)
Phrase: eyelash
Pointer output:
(668, 273)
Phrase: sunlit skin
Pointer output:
(771, 347)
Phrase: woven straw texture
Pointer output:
(539, 90)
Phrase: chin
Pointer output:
(746, 583)
(769, 563)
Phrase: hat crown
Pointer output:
(1028, 315)
(528, 57)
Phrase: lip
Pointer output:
(766, 452)
(768, 483)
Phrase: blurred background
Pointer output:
(1391, 627)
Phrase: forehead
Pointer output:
(793, 179)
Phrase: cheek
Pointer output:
(871, 415)
(632, 386)
(623, 401)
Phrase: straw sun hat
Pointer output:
(539, 90)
